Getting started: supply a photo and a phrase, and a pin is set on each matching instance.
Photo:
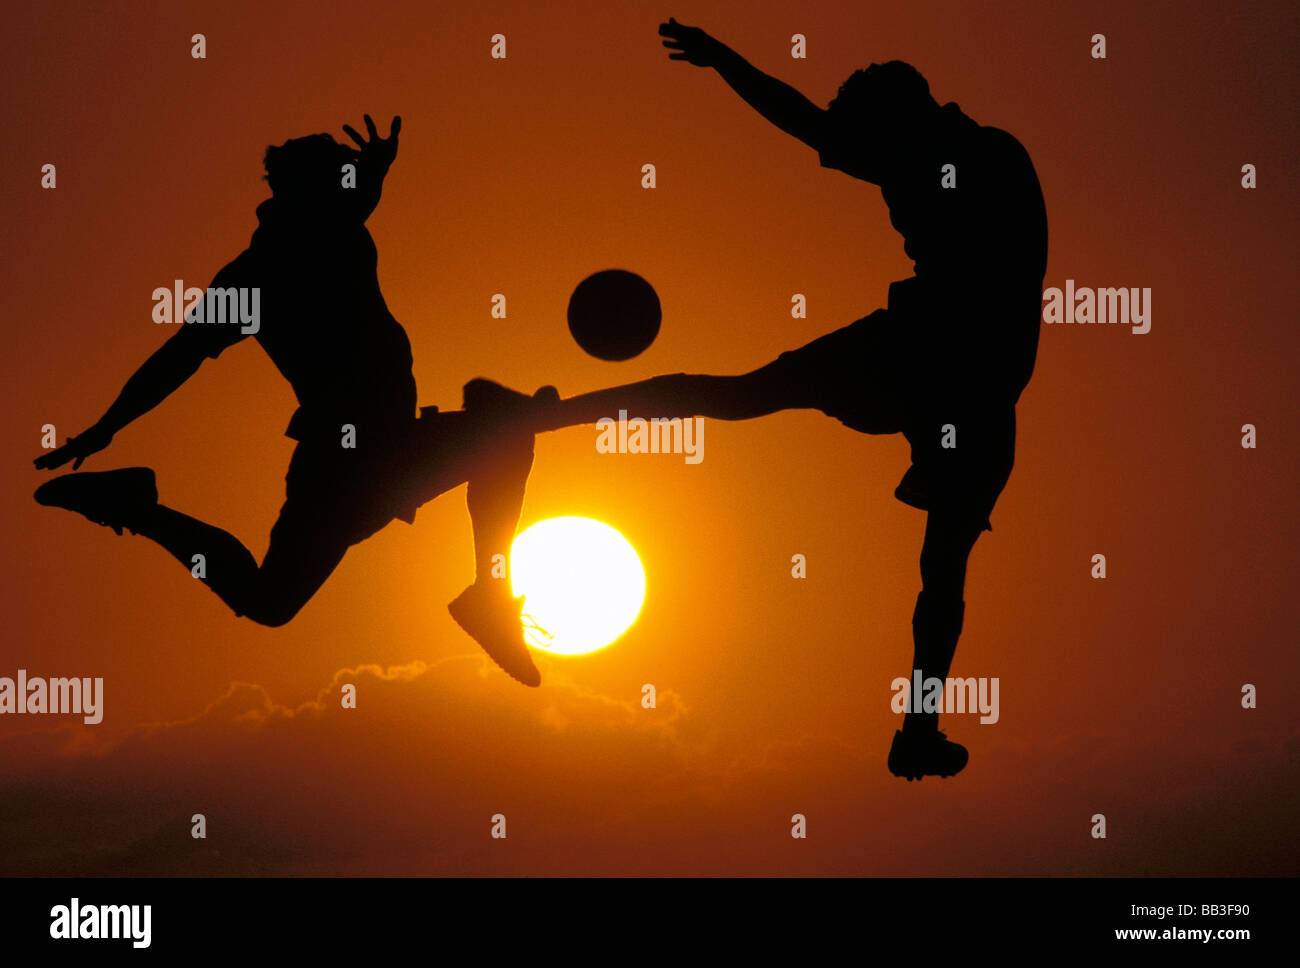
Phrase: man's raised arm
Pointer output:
(374, 158)
(775, 100)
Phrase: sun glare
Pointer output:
(582, 581)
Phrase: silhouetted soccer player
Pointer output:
(944, 363)
(324, 324)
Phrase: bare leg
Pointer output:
(937, 619)
(494, 457)
(757, 394)
(496, 499)
(301, 556)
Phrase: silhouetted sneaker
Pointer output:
(925, 753)
(494, 621)
(117, 499)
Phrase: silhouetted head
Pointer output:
(886, 102)
(308, 172)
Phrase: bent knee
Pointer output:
(272, 613)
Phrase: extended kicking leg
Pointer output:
(679, 395)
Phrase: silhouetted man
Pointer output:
(363, 457)
(943, 364)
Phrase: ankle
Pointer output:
(492, 587)
(920, 724)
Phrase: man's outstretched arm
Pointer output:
(170, 366)
(775, 100)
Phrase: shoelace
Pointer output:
(530, 625)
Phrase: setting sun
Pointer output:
(582, 581)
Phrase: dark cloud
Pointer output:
(408, 783)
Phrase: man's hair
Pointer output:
(306, 167)
(894, 88)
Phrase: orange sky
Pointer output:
(522, 176)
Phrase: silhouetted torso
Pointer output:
(324, 323)
(979, 248)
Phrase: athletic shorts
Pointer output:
(352, 492)
(347, 494)
(877, 377)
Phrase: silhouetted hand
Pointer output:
(80, 447)
(692, 44)
(378, 151)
